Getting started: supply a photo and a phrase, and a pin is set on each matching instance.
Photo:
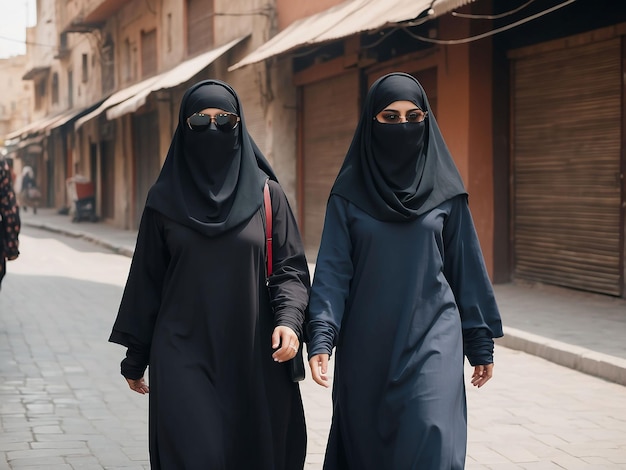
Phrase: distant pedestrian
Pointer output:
(29, 193)
(401, 292)
(197, 309)
(9, 219)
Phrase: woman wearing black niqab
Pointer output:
(196, 307)
(401, 292)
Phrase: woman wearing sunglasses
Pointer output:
(197, 309)
(401, 292)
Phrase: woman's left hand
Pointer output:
(287, 339)
(482, 374)
(138, 385)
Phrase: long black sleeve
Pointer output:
(290, 282)
(142, 296)
(465, 270)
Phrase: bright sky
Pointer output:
(15, 17)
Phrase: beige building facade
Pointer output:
(16, 96)
(159, 49)
(118, 73)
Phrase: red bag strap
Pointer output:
(268, 226)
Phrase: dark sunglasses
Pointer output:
(225, 122)
(392, 117)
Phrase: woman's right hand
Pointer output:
(138, 385)
(319, 369)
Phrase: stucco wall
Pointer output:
(292, 10)
(465, 118)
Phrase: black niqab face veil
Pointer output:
(213, 156)
(212, 180)
(397, 172)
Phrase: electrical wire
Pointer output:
(381, 39)
(28, 43)
(492, 17)
(266, 11)
(452, 42)
(305, 53)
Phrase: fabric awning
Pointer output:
(45, 125)
(35, 72)
(134, 97)
(114, 99)
(69, 116)
(22, 130)
(34, 127)
(179, 74)
(345, 19)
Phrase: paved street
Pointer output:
(63, 404)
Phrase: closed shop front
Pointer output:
(566, 164)
(329, 115)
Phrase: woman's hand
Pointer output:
(287, 339)
(482, 374)
(138, 385)
(319, 369)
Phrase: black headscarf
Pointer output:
(397, 172)
(211, 181)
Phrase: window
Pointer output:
(169, 32)
(70, 88)
(40, 93)
(148, 53)
(127, 74)
(55, 88)
(200, 14)
(85, 68)
(63, 47)
(108, 65)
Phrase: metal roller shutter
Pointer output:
(566, 167)
(330, 112)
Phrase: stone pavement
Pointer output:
(579, 330)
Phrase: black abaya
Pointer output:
(401, 291)
(196, 307)
(201, 308)
(397, 300)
